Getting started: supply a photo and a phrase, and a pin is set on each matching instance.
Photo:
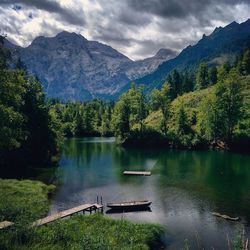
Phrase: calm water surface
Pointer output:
(185, 187)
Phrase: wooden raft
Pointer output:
(143, 173)
(224, 216)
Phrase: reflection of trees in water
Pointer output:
(85, 163)
(222, 178)
(82, 152)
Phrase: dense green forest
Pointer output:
(208, 108)
(29, 132)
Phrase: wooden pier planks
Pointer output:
(143, 173)
(65, 213)
(60, 215)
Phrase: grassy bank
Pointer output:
(96, 232)
(24, 201)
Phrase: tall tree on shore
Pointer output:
(222, 110)
(161, 100)
(175, 84)
(212, 75)
(202, 79)
(120, 118)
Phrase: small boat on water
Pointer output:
(129, 204)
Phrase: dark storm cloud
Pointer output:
(112, 34)
(177, 9)
(66, 14)
(131, 18)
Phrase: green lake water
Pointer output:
(185, 187)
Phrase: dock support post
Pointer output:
(97, 199)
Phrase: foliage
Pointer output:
(202, 79)
(222, 110)
(218, 115)
(27, 131)
(84, 118)
(129, 111)
(180, 82)
(181, 131)
(161, 100)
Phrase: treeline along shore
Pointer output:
(205, 108)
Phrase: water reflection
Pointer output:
(128, 210)
(185, 187)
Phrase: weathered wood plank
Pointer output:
(57, 216)
(144, 173)
(224, 216)
(5, 224)
(66, 213)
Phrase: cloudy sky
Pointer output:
(137, 28)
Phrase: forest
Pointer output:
(207, 108)
(201, 109)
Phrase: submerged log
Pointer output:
(224, 216)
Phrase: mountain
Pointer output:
(143, 67)
(73, 68)
(223, 44)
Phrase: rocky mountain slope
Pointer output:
(223, 43)
(73, 68)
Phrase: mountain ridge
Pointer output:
(74, 68)
(230, 40)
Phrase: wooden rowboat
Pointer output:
(129, 204)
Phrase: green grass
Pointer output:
(25, 201)
(21, 202)
(96, 232)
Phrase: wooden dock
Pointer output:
(69, 212)
(143, 173)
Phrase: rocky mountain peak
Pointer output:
(165, 53)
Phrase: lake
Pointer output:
(185, 187)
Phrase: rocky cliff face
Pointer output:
(73, 68)
(148, 65)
